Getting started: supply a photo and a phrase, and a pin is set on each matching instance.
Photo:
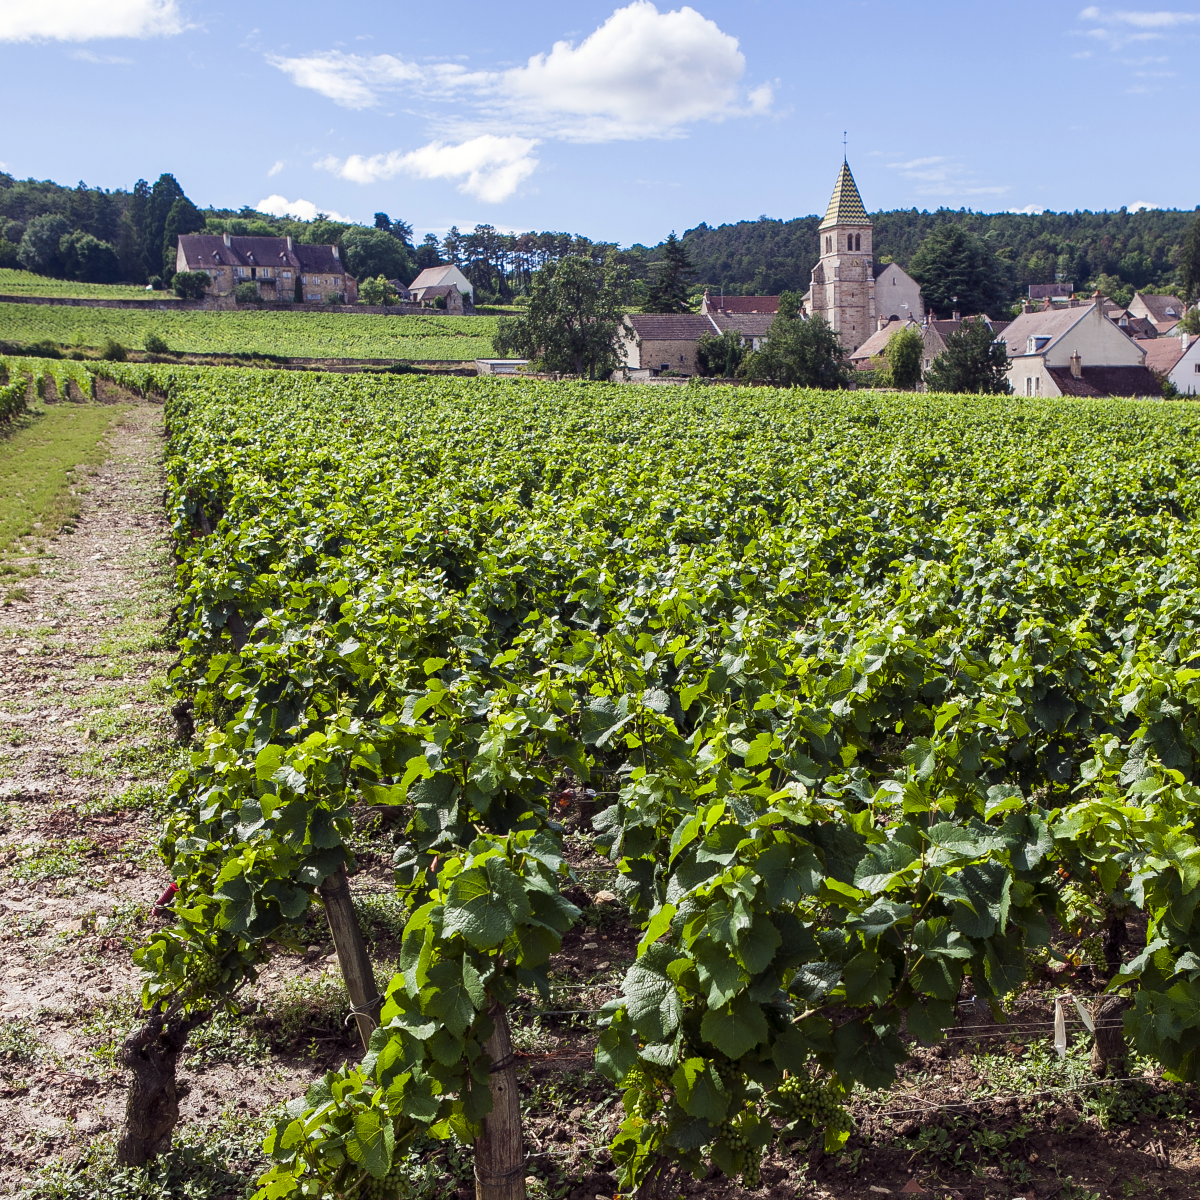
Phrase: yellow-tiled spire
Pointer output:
(845, 205)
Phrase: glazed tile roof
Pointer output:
(845, 205)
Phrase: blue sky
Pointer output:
(619, 121)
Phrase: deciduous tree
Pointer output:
(903, 354)
(574, 319)
(799, 354)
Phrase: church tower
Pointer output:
(843, 281)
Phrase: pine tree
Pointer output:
(668, 291)
(973, 361)
(958, 271)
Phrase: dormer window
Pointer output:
(1037, 344)
(1170, 312)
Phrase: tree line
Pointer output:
(986, 260)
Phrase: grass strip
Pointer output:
(38, 455)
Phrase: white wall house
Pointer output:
(1185, 375)
(897, 294)
(1074, 352)
(437, 277)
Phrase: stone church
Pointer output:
(854, 295)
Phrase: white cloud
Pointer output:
(491, 168)
(1119, 27)
(304, 210)
(941, 176)
(642, 74)
(350, 79)
(104, 60)
(1030, 210)
(279, 165)
(83, 20)
(1139, 205)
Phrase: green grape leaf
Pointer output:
(734, 1028)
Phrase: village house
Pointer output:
(867, 356)
(897, 294)
(279, 268)
(1177, 359)
(1075, 352)
(1164, 312)
(446, 283)
(664, 341)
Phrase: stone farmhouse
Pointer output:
(1163, 312)
(279, 268)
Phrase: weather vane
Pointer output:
(844, 132)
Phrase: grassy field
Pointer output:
(295, 335)
(26, 283)
(39, 457)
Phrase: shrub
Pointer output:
(155, 344)
(114, 352)
(191, 285)
(45, 349)
(376, 291)
(155, 282)
(247, 293)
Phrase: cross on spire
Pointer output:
(844, 159)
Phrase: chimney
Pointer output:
(336, 254)
(227, 241)
(955, 315)
(289, 243)
(1076, 365)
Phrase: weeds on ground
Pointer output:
(18, 1044)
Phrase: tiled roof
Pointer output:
(750, 324)
(743, 304)
(671, 327)
(210, 250)
(318, 259)
(877, 342)
(1161, 353)
(1040, 291)
(1106, 381)
(1157, 307)
(845, 205)
(1050, 325)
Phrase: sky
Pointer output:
(620, 121)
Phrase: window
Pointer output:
(858, 241)
(1197, 368)
(1170, 312)
(1029, 385)
(828, 245)
(287, 274)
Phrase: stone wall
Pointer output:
(228, 304)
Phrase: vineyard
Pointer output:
(293, 335)
(873, 705)
(26, 283)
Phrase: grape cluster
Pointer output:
(746, 1158)
(387, 1188)
(205, 974)
(809, 1101)
(647, 1100)
(1093, 951)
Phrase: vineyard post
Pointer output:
(365, 1000)
(499, 1147)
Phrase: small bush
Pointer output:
(45, 349)
(190, 285)
(113, 351)
(155, 344)
(156, 283)
(247, 293)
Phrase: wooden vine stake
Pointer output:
(499, 1148)
(352, 953)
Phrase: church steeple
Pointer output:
(843, 281)
(845, 205)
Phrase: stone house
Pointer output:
(280, 269)
(1075, 352)
(664, 341)
(936, 332)
(875, 346)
